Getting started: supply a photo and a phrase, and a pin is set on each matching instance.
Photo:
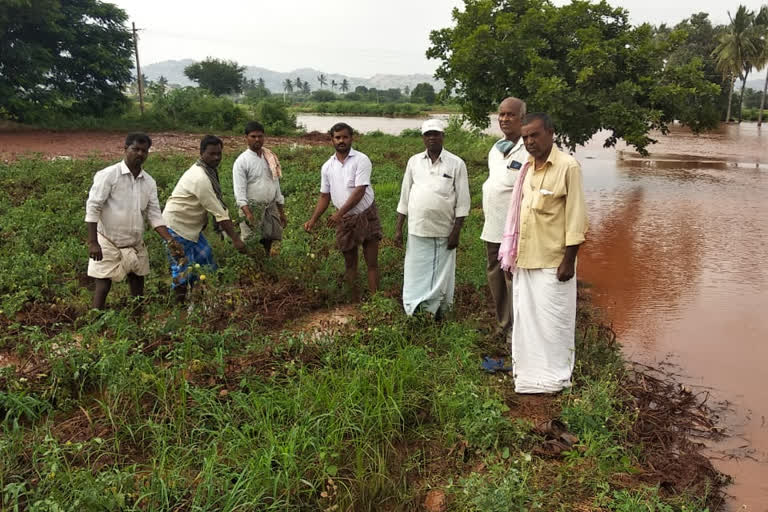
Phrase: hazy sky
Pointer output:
(356, 38)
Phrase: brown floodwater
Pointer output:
(677, 257)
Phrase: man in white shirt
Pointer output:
(123, 196)
(256, 180)
(346, 181)
(435, 198)
(505, 160)
(197, 194)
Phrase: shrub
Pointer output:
(195, 108)
(274, 115)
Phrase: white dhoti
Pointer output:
(118, 262)
(429, 274)
(543, 330)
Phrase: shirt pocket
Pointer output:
(443, 184)
(545, 204)
(350, 177)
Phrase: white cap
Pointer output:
(432, 125)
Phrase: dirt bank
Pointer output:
(79, 144)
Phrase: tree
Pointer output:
(323, 96)
(299, 84)
(334, 84)
(761, 22)
(306, 88)
(287, 87)
(344, 85)
(407, 91)
(737, 50)
(423, 93)
(583, 63)
(65, 56)
(216, 75)
(696, 37)
(322, 79)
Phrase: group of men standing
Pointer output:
(533, 202)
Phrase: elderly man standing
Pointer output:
(197, 193)
(345, 179)
(546, 224)
(435, 198)
(121, 198)
(256, 180)
(505, 160)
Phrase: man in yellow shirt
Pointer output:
(196, 195)
(546, 225)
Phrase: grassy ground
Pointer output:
(254, 402)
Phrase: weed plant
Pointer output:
(233, 407)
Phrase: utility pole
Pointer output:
(138, 69)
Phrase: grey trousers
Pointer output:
(500, 285)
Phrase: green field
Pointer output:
(238, 406)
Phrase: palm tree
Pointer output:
(322, 79)
(298, 83)
(287, 87)
(334, 84)
(344, 85)
(761, 23)
(736, 51)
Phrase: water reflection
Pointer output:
(675, 254)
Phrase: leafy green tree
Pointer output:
(322, 95)
(322, 79)
(583, 63)
(407, 91)
(306, 88)
(63, 56)
(696, 38)
(217, 75)
(298, 84)
(423, 93)
(761, 22)
(344, 85)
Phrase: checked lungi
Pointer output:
(199, 252)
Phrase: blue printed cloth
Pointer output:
(199, 252)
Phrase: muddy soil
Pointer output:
(80, 144)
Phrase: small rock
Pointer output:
(435, 501)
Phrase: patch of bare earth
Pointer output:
(82, 144)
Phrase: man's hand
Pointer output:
(453, 238)
(309, 225)
(249, 218)
(334, 219)
(176, 249)
(283, 219)
(239, 245)
(94, 251)
(398, 240)
(566, 270)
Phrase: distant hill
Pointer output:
(173, 70)
(756, 84)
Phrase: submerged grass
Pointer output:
(235, 407)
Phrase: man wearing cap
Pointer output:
(435, 198)
(505, 160)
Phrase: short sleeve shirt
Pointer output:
(339, 179)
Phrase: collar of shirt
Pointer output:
(439, 158)
(552, 159)
(351, 153)
(125, 170)
(253, 153)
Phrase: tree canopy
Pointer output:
(217, 75)
(582, 63)
(423, 93)
(62, 55)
